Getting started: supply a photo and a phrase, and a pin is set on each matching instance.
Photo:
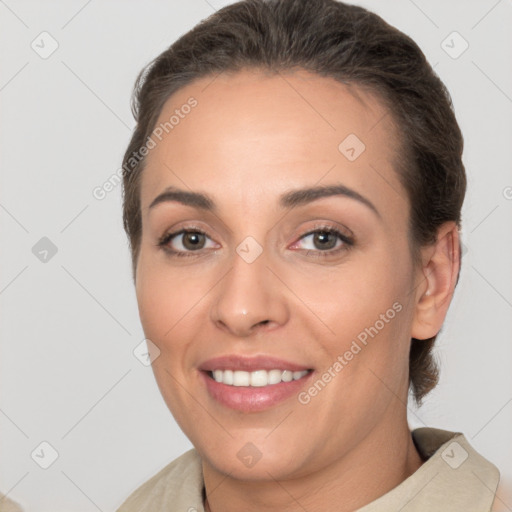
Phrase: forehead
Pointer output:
(251, 130)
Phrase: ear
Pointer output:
(435, 282)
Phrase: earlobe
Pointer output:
(436, 282)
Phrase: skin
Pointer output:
(251, 138)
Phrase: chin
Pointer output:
(252, 465)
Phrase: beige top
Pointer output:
(455, 478)
(7, 505)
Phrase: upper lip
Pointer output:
(249, 364)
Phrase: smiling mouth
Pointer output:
(258, 378)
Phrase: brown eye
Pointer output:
(185, 242)
(324, 240)
(193, 240)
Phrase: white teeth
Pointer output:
(287, 376)
(258, 378)
(241, 378)
(227, 376)
(274, 376)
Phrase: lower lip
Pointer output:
(253, 399)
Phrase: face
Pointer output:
(257, 283)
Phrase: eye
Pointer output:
(324, 241)
(184, 242)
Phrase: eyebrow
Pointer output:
(291, 199)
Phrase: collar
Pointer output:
(454, 477)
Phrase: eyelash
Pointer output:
(347, 242)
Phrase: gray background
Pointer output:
(70, 324)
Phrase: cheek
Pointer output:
(353, 300)
(168, 302)
(153, 305)
(368, 313)
(166, 305)
(158, 303)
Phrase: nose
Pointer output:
(249, 298)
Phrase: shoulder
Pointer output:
(178, 485)
(458, 476)
(454, 477)
(455, 451)
(7, 505)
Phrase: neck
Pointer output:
(383, 460)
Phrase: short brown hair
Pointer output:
(336, 40)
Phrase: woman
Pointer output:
(292, 197)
